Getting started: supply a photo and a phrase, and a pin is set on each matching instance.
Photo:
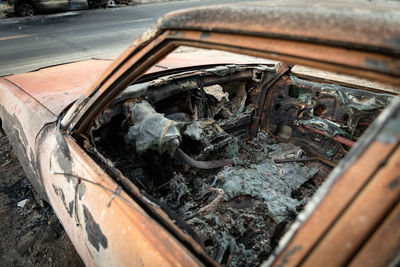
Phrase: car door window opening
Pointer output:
(188, 140)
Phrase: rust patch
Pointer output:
(95, 235)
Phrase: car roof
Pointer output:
(370, 25)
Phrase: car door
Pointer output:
(77, 4)
(104, 223)
(53, 4)
(156, 44)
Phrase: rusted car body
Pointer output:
(69, 146)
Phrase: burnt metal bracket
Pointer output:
(265, 85)
(200, 82)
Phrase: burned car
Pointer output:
(206, 158)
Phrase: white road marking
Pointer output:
(14, 37)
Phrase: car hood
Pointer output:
(58, 86)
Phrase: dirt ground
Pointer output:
(30, 235)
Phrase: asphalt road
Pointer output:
(30, 43)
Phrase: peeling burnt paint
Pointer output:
(394, 183)
(376, 64)
(289, 254)
(25, 154)
(393, 41)
(95, 235)
(391, 132)
(81, 190)
(61, 143)
(62, 154)
(204, 35)
(64, 164)
(70, 207)
(16, 133)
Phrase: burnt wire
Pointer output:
(116, 192)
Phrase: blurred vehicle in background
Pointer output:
(32, 7)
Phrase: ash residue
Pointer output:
(31, 233)
(236, 236)
(241, 226)
(270, 182)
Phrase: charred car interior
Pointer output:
(232, 153)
